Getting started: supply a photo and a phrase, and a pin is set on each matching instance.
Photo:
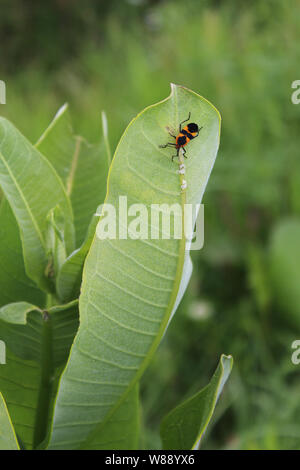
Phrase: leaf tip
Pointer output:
(227, 360)
(61, 110)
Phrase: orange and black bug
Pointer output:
(189, 132)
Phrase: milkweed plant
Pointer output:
(85, 299)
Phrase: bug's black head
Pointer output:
(192, 127)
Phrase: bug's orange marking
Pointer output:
(184, 137)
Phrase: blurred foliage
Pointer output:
(285, 266)
(242, 56)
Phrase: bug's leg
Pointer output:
(184, 152)
(174, 136)
(177, 155)
(199, 130)
(184, 121)
(168, 144)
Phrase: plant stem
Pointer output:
(46, 380)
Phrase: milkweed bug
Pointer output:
(189, 132)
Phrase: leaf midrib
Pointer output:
(34, 222)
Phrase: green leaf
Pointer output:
(15, 285)
(132, 287)
(19, 384)
(58, 144)
(285, 266)
(121, 430)
(8, 439)
(82, 167)
(83, 170)
(183, 427)
(32, 188)
(37, 343)
(69, 278)
(55, 235)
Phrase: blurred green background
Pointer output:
(244, 296)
